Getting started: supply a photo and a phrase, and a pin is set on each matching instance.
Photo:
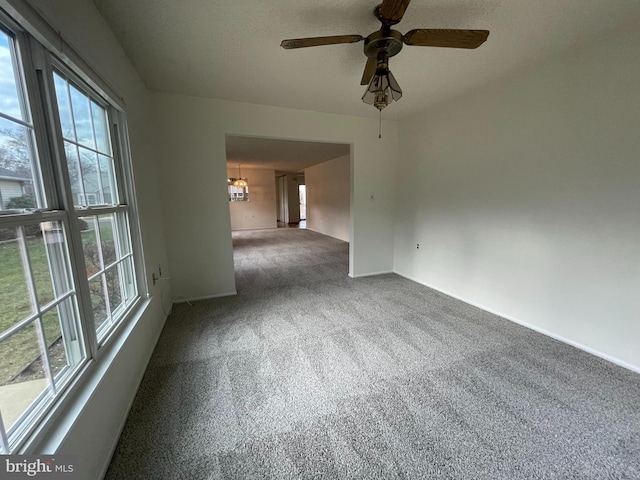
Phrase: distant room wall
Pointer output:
(260, 211)
(328, 190)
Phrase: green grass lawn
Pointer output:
(15, 302)
(15, 305)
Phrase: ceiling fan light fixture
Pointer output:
(382, 90)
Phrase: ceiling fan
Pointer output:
(382, 44)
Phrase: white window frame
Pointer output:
(125, 188)
(38, 59)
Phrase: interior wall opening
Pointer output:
(286, 184)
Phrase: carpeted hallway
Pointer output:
(307, 373)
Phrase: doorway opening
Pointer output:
(290, 210)
(302, 196)
(293, 184)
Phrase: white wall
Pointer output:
(328, 198)
(195, 203)
(260, 211)
(91, 426)
(525, 198)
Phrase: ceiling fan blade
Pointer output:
(393, 10)
(369, 71)
(432, 37)
(317, 41)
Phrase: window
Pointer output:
(90, 160)
(69, 265)
(238, 193)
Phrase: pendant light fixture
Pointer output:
(383, 87)
(240, 182)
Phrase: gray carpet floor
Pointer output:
(307, 373)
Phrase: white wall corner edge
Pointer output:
(560, 338)
(372, 274)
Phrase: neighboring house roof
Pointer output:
(9, 175)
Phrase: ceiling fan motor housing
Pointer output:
(387, 40)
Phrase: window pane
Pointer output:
(63, 337)
(107, 239)
(22, 375)
(48, 260)
(64, 107)
(124, 240)
(73, 166)
(100, 126)
(89, 169)
(17, 173)
(98, 301)
(97, 259)
(92, 253)
(39, 262)
(21, 186)
(128, 279)
(109, 193)
(53, 338)
(113, 288)
(15, 303)
(82, 117)
(58, 260)
(9, 96)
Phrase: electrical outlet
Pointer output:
(417, 246)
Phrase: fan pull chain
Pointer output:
(380, 125)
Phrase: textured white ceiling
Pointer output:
(231, 49)
(280, 155)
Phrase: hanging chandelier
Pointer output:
(240, 182)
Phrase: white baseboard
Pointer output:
(182, 299)
(371, 274)
(246, 229)
(555, 336)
